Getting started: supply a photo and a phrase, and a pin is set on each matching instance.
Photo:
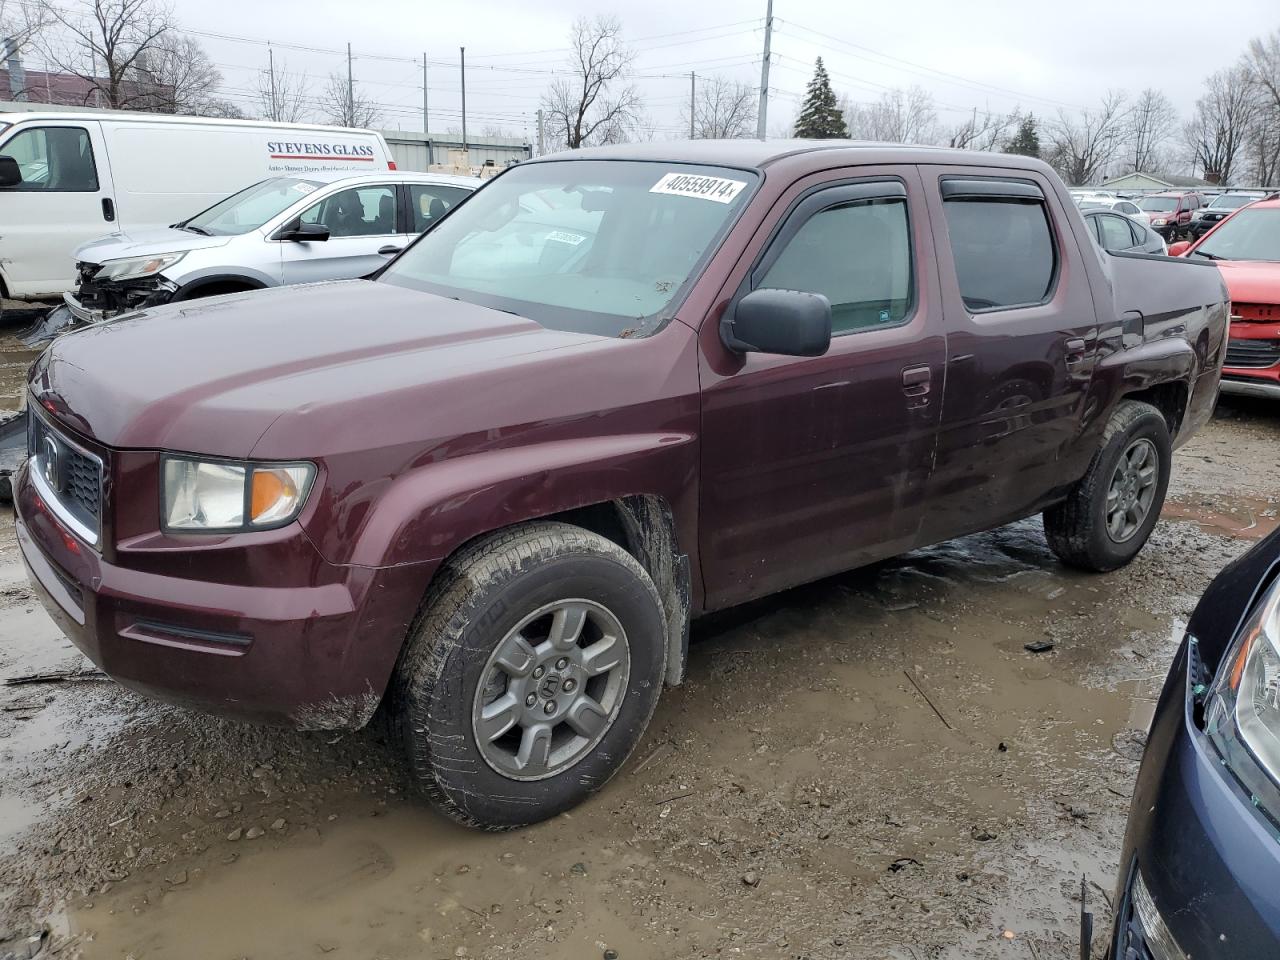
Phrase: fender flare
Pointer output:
(192, 288)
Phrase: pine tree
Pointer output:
(820, 117)
(1027, 140)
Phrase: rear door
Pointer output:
(362, 221)
(1021, 345)
(811, 465)
(64, 200)
(429, 202)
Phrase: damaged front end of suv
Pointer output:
(106, 289)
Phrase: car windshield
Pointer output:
(1158, 204)
(1249, 235)
(1229, 202)
(250, 208)
(591, 246)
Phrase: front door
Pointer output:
(1022, 339)
(64, 200)
(817, 464)
(362, 221)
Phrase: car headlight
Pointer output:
(216, 495)
(1159, 222)
(1243, 716)
(1197, 215)
(135, 267)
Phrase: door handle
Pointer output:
(390, 250)
(108, 210)
(1075, 348)
(917, 380)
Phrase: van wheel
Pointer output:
(1111, 512)
(530, 674)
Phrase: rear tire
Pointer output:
(1111, 511)
(530, 674)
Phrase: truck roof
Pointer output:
(759, 154)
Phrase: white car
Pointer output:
(283, 230)
(66, 177)
(1114, 204)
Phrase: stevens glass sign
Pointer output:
(287, 156)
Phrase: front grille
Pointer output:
(1256, 312)
(69, 475)
(1252, 353)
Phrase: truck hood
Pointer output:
(145, 243)
(1251, 281)
(211, 376)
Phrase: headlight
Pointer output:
(212, 495)
(135, 267)
(1159, 222)
(1243, 717)
(1197, 215)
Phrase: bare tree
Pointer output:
(344, 106)
(899, 116)
(593, 107)
(1083, 145)
(282, 94)
(105, 42)
(21, 22)
(983, 131)
(1220, 126)
(1262, 149)
(1150, 123)
(722, 109)
(177, 76)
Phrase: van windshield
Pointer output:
(591, 246)
(250, 208)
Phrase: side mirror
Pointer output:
(787, 322)
(304, 232)
(1179, 248)
(10, 172)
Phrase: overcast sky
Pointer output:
(992, 54)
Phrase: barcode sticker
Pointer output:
(719, 189)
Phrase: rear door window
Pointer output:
(1001, 242)
(428, 202)
(55, 159)
(858, 255)
(1115, 233)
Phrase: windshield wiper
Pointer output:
(200, 230)
(1207, 256)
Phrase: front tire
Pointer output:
(530, 675)
(1111, 511)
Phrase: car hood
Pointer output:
(212, 376)
(145, 243)
(1251, 281)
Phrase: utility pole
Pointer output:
(762, 117)
(426, 125)
(351, 90)
(464, 102)
(271, 66)
(693, 79)
(542, 143)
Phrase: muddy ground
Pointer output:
(868, 767)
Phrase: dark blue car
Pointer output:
(1200, 875)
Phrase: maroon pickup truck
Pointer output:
(611, 391)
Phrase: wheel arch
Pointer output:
(216, 283)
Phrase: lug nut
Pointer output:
(569, 685)
(549, 707)
(538, 672)
(530, 700)
(562, 663)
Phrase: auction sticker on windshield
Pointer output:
(719, 189)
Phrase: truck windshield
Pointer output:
(1248, 235)
(1158, 204)
(250, 208)
(590, 246)
(1229, 201)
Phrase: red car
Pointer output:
(1246, 248)
(1170, 213)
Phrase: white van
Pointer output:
(66, 178)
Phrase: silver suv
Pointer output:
(284, 230)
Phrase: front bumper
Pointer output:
(95, 300)
(1252, 366)
(1198, 228)
(1209, 859)
(315, 655)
